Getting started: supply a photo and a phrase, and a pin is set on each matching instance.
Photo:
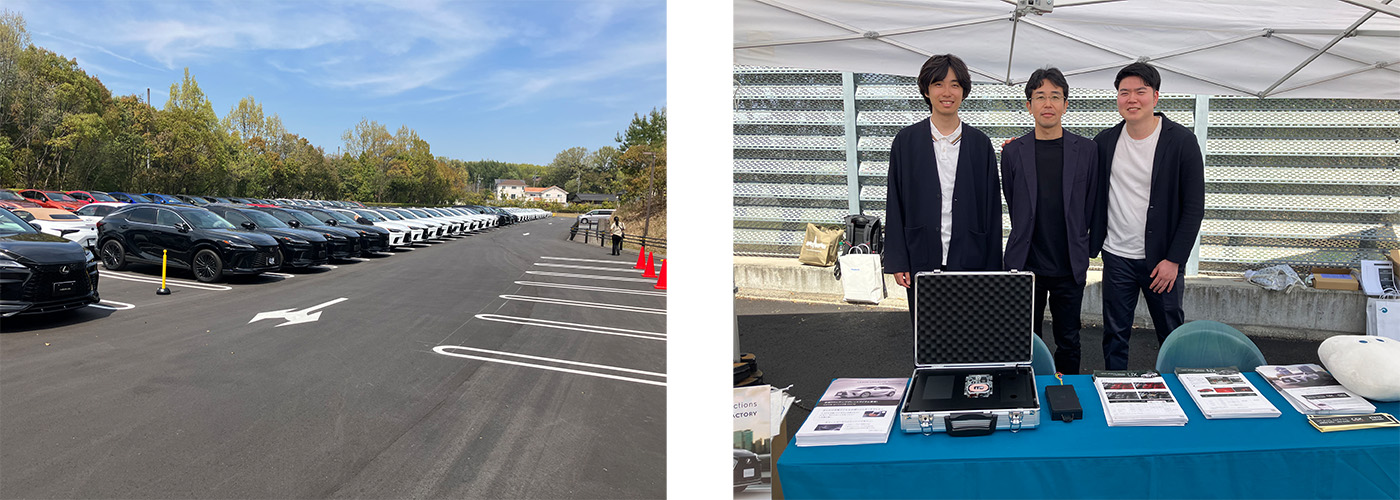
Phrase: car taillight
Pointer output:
(99, 224)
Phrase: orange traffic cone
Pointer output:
(641, 258)
(661, 283)
(650, 270)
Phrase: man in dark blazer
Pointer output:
(1050, 179)
(943, 201)
(1151, 203)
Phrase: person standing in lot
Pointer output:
(1050, 179)
(617, 228)
(1149, 213)
(943, 199)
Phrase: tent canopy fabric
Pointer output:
(1284, 48)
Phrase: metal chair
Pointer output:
(1208, 344)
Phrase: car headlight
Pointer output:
(237, 244)
(8, 263)
(363, 233)
(88, 254)
(393, 230)
(294, 241)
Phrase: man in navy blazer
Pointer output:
(943, 203)
(1050, 179)
(1151, 203)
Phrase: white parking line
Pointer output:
(442, 349)
(592, 276)
(579, 303)
(119, 306)
(592, 288)
(591, 260)
(592, 268)
(280, 275)
(544, 323)
(168, 282)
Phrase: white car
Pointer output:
(417, 231)
(488, 220)
(599, 215)
(93, 212)
(398, 233)
(436, 229)
(62, 223)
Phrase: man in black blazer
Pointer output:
(1050, 179)
(1151, 203)
(943, 201)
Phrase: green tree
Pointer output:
(649, 130)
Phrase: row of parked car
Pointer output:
(44, 273)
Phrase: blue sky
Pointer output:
(514, 81)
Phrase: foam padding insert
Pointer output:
(973, 318)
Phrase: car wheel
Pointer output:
(208, 267)
(113, 255)
(865, 394)
(282, 260)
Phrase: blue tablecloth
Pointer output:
(1280, 457)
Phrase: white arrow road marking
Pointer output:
(302, 316)
(592, 288)
(578, 303)
(169, 282)
(592, 260)
(113, 305)
(544, 323)
(592, 276)
(592, 268)
(442, 349)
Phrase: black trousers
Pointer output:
(1065, 296)
(1122, 280)
(617, 245)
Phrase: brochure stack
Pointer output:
(1225, 393)
(853, 411)
(1312, 390)
(1137, 398)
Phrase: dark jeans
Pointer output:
(1065, 297)
(617, 245)
(1122, 280)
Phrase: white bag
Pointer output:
(862, 277)
(1382, 317)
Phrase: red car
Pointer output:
(90, 196)
(53, 199)
(11, 199)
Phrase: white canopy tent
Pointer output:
(1283, 48)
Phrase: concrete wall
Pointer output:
(1301, 313)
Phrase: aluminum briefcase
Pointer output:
(972, 354)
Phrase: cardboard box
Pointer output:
(1334, 278)
(1394, 256)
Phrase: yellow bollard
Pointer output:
(163, 290)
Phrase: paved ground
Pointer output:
(805, 345)
(554, 391)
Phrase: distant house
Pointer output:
(591, 198)
(552, 193)
(510, 189)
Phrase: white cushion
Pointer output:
(1366, 365)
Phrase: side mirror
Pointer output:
(332, 222)
(294, 223)
(182, 227)
(364, 221)
(249, 225)
(36, 226)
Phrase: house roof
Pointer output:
(593, 197)
(509, 182)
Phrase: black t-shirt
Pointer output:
(1049, 253)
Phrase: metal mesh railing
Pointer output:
(1295, 181)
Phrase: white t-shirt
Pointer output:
(1129, 190)
(946, 149)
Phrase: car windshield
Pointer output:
(468, 211)
(204, 219)
(420, 213)
(95, 210)
(59, 196)
(12, 224)
(10, 195)
(137, 198)
(263, 220)
(389, 214)
(340, 216)
(369, 215)
(405, 213)
(61, 216)
(101, 196)
(305, 218)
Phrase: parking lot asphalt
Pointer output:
(806, 345)
(471, 368)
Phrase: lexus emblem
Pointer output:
(64, 270)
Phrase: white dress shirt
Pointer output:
(945, 148)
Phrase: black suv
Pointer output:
(42, 273)
(299, 247)
(196, 239)
(373, 239)
(343, 243)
